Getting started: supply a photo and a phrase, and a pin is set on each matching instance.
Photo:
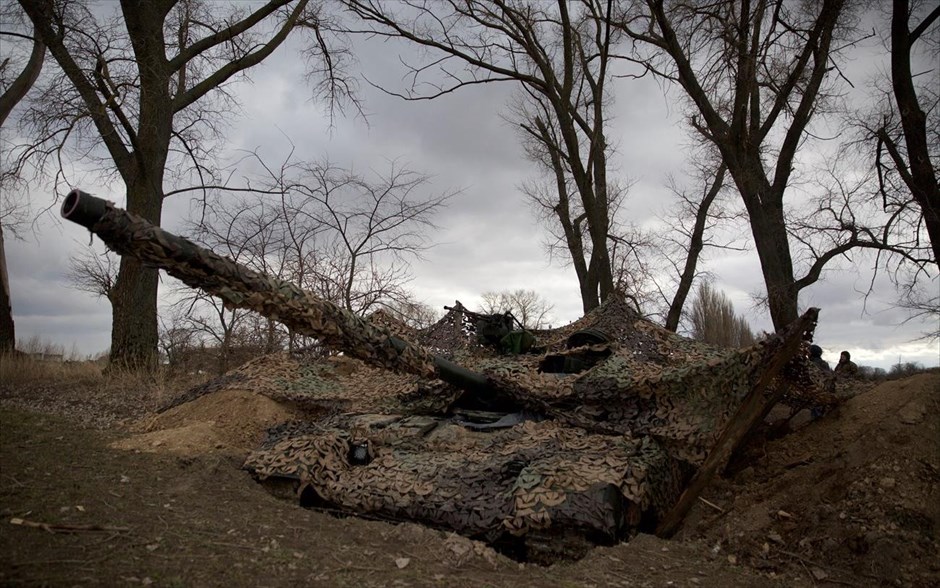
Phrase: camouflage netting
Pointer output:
(598, 451)
(528, 477)
(598, 430)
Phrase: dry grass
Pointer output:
(86, 391)
(21, 369)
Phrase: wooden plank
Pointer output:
(753, 409)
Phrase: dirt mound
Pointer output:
(228, 421)
(852, 495)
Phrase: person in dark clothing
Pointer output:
(815, 356)
(846, 367)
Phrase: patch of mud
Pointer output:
(227, 422)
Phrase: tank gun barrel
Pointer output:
(241, 287)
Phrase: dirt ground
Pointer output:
(97, 489)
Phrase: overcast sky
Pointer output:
(489, 238)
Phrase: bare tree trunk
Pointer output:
(7, 330)
(764, 204)
(770, 239)
(923, 179)
(16, 92)
(23, 82)
(696, 244)
(570, 227)
(739, 100)
(134, 334)
(270, 339)
(134, 322)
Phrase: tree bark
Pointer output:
(24, 81)
(134, 321)
(134, 333)
(772, 244)
(765, 211)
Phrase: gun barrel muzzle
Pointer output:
(83, 208)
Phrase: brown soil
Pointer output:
(850, 499)
(855, 494)
(229, 422)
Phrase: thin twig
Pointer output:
(352, 566)
(48, 562)
(57, 528)
(15, 481)
(832, 580)
(802, 559)
(812, 579)
(712, 504)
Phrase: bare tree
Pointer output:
(176, 337)
(755, 74)
(12, 91)
(208, 319)
(900, 133)
(15, 88)
(630, 250)
(256, 233)
(353, 236)
(657, 267)
(262, 334)
(923, 305)
(249, 231)
(416, 315)
(149, 85)
(559, 53)
(346, 237)
(95, 273)
(528, 306)
(905, 149)
(693, 238)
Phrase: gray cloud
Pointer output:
(44, 305)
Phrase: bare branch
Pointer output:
(93, 273)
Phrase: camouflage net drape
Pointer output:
(618, 444)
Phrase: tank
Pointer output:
(605, 427)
